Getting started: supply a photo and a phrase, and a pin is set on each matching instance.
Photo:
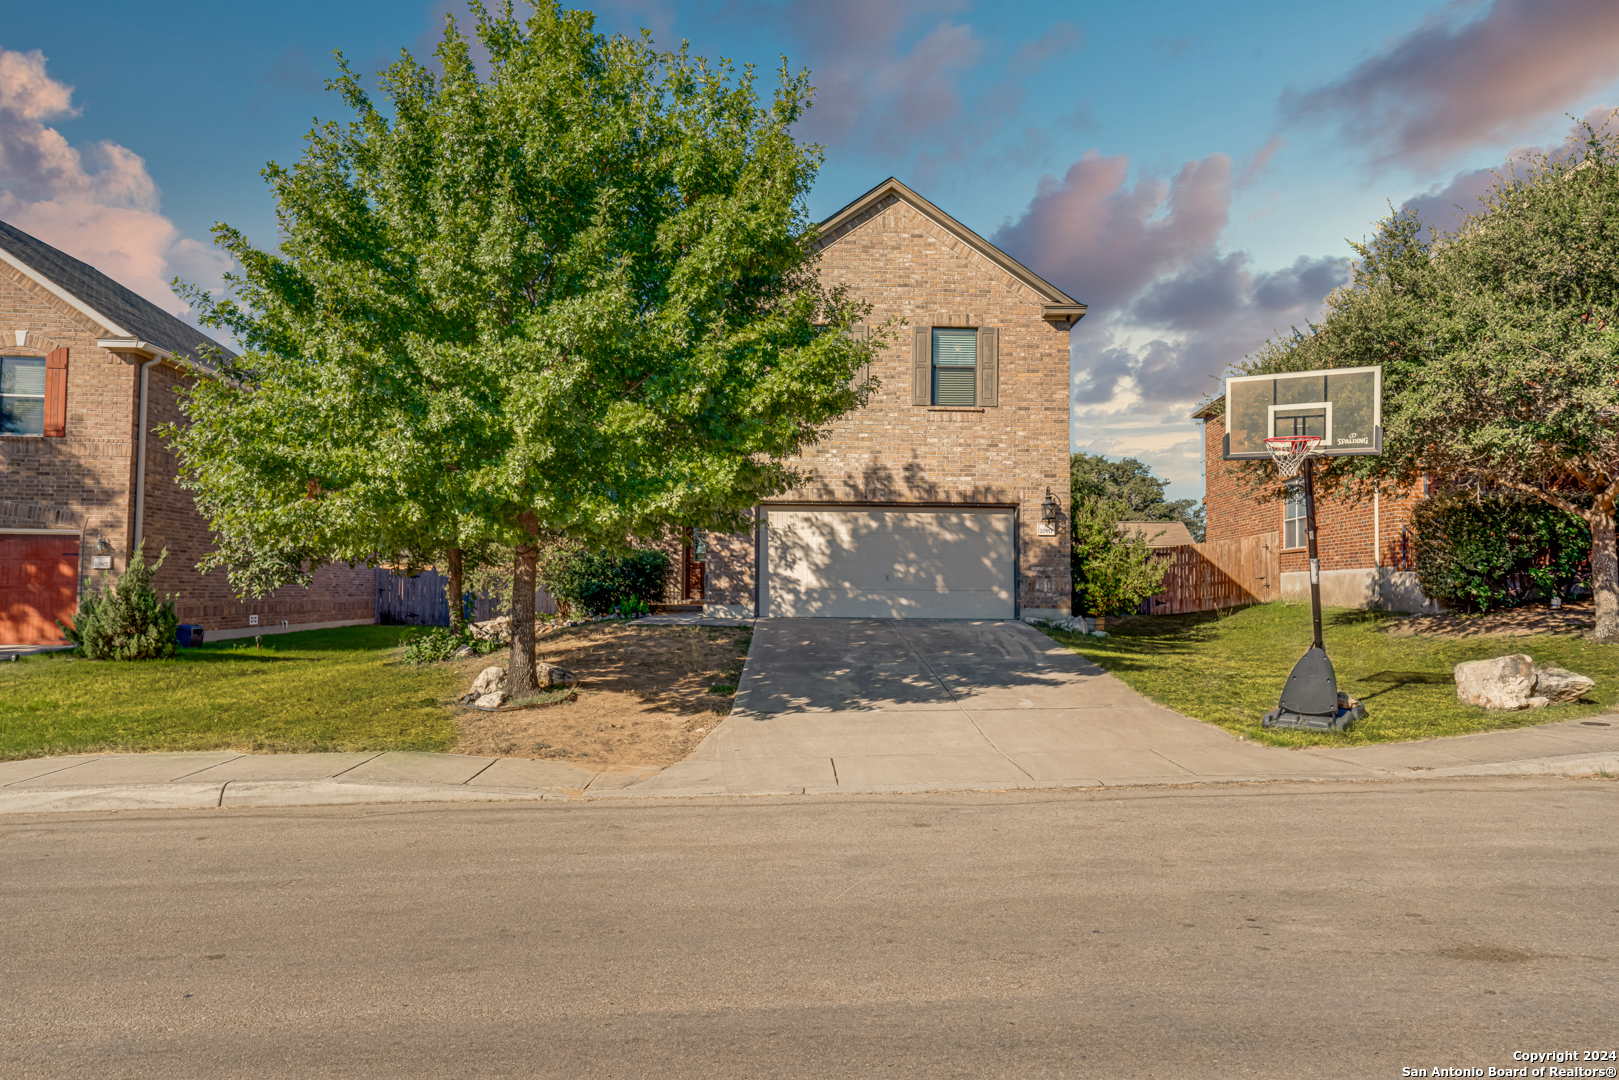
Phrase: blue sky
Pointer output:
(1190, 170)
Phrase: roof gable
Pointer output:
(1059, 306)
(122, 312)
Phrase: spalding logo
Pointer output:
(1354, 440)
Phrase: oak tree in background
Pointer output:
(1130, 483)
(571, 297)
(1500, 347)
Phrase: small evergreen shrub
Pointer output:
(1497, 552)
(597, 583)
(433, 644)
(126, 620)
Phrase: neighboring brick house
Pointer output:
(929, 502)
(88, 372)
(1364, 545)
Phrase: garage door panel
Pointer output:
(890, 564)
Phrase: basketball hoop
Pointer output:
(1289, 452)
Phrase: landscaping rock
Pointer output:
(497, 630)
(463, 652)
(491, 701)
(1513, 682)
(488, 681)
(1559, 684)
(549, 675)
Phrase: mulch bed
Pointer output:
(1519, 622)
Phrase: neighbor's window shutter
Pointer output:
(56, 392)
(989, 366)
(922, 367)
(859, 332)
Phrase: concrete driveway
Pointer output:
(878, 705)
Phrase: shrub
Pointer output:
(1113, 572)
(438, 643)
(1497, 552)
(126, 620)
(596, 582)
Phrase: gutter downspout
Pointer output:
(140, 456)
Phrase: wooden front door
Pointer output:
(39, 584)
(692, 569)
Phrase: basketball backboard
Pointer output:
(1341, 406)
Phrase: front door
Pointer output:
(693, 567)
(39, 584)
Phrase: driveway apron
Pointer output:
(875, 705)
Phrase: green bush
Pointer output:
(1497, 552)
(596, 583)
(1113, 572)
(126, 620)
(436, 643)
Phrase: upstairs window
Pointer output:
(22, 395)
(1293, 516)
(955, 367)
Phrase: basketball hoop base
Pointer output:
(1310, 700)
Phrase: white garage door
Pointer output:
(889, 564)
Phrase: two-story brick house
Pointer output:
(1364, 544)
(932, 500)
(88, 372)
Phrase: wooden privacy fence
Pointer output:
(1226, 573)
(423, 600)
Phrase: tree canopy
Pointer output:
(572, 296)
(1499, 342)
(1130, 486)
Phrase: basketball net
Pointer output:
(1289, 452)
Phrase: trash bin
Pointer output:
(188, 635)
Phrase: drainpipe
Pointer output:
(140, 456)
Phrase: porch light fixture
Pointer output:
(1049, 508)
(102, 547)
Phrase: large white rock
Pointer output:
(488, 681)
(1507, 682)
(498, 630)
(491, 701)
(549, 675)
(1560, 684)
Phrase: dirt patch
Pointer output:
(645, 697)
(1519, 622)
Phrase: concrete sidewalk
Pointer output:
(831, 706)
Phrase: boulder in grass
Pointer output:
(1557, 684)
(1514, 682)
(497, 630)
(488, 681)
(491, 701)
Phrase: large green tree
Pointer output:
(1130, 485)
(573, 296)
(1499, 343)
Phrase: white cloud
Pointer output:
(97, 203)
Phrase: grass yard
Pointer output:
(342, 689)
(1228, 668)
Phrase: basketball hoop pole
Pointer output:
(1315, 561)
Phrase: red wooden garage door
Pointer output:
(39, 583)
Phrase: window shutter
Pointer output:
(56, 392)
(989, 366)
(922, 367)
(862, 375)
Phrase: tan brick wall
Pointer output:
(1348, 532)
(86, 479)
(894, 452)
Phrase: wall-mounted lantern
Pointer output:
(1050, 514)
(101, 558)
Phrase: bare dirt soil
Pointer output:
(1519, 622)
(645, 698)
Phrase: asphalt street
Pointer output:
(1311, 930)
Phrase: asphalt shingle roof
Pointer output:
(101, 293)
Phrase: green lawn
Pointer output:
(1228, 668)
(342, 689)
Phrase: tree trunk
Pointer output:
(457, 615)
(520, 678)
(1604, 571)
